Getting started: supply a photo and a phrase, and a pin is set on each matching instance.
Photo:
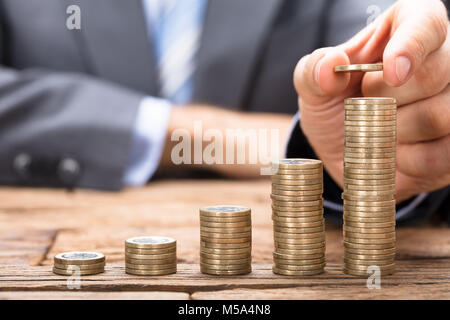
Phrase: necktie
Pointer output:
(178, 31)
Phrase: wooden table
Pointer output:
(35, 224)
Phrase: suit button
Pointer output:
(21, 164)
(69, 171)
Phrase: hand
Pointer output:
(411, 38)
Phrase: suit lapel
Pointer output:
(233, 35)
(116, 43)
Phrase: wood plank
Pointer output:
(189, 279)
(68, 295)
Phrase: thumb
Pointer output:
(314, 78)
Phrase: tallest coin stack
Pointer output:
(369, 185)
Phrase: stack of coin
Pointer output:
(225, 240)
(297, 214)
(369, 185)
(79, 263)
(150, 256)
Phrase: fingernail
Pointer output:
(402, 67)
(317, 71)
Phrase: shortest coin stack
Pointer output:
(81, 263)
(297, 214)
(225, 240)
(150, 256)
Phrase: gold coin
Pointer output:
(346, 196)
(151, 256)
(391, 144)
(372, 182)
(371, 155)
(387, 187)
(296, 193)
(370, 123)
(211, 256)
(371, 113)
(369, 229)
(299, 239)
(369, 211)
(302, 230)
(79, 257)
(287, 182)
(168, 261)
(380, 263)
(360, 235)
(373, 252)
(358, 160)
(303, 258)
(225, 251)
(291, 241)
(247, 219)
(366, 257)
(299, 262)
(297, 164)
(301, 267)
(216, 235)
(85, 272)
(225, 230)
(284, 211)
(300, 177)
(225, 272)
(210, 245)
(300, 252)
(305, 235)
(310, 187)
(369, 246)
(359, 67)
(94, 266)
(296, 273)
(225, 225)
(370, 241)
(365, 274)
(370, 150)
(384, 117)
(366, 136)
(387, 215)
(278, 171)
(369, 225)
(297, 198)
(316, 218)
(348, 219)
(225, 240)
(282, 245)
(150, 251)
(359, 203)
(369, 176)
(226, 262)
(370, 100)
(149, 266)
(243, 266)
(311, 203)
(141, 272)
(225, 211)
(370, 194)
(278, 224)
(150, 242)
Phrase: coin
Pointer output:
(77, 257)
(346, 196)
(383, 219)
(387, 187)
(302, 230)
(367, 272)
(297, 164)
(371, 112)
(300, 252)
(281, 240)
(94, 266)
(141, 272)
(225, 272)
(350, 263)
(314, 256)
(223, 235)
(225, 240)
(371, 144)
(296, 182)
(373, 252)
(243, 266)
(296, 273)
(371, 136)
(369, 118)
(226, 262)
(246, 219)
(310, 187)
(284, 211)
(369, 229)
(362, 203)
(225, 251)
(225, 211)
(377, 257)
(298, 225)
(299, 262)
(317, 217)
(369, 225)
(278, 171)
(151, 256)
(370, 176)
(150, 251)
(70, 272)
(224, 245)
(225, 225)
(372, 182)
(153, 267)
(370, 100)
(224, 256)
(150, 242)
(371, 123)
(359, 67)
(369, 150)
(312, 203)
(227, 230)
(167, 261)
(370, 241)
(297, 198)
(301, 267)
(301, 193)
(290, 246)
(360, 235)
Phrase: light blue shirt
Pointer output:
(153, 115)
